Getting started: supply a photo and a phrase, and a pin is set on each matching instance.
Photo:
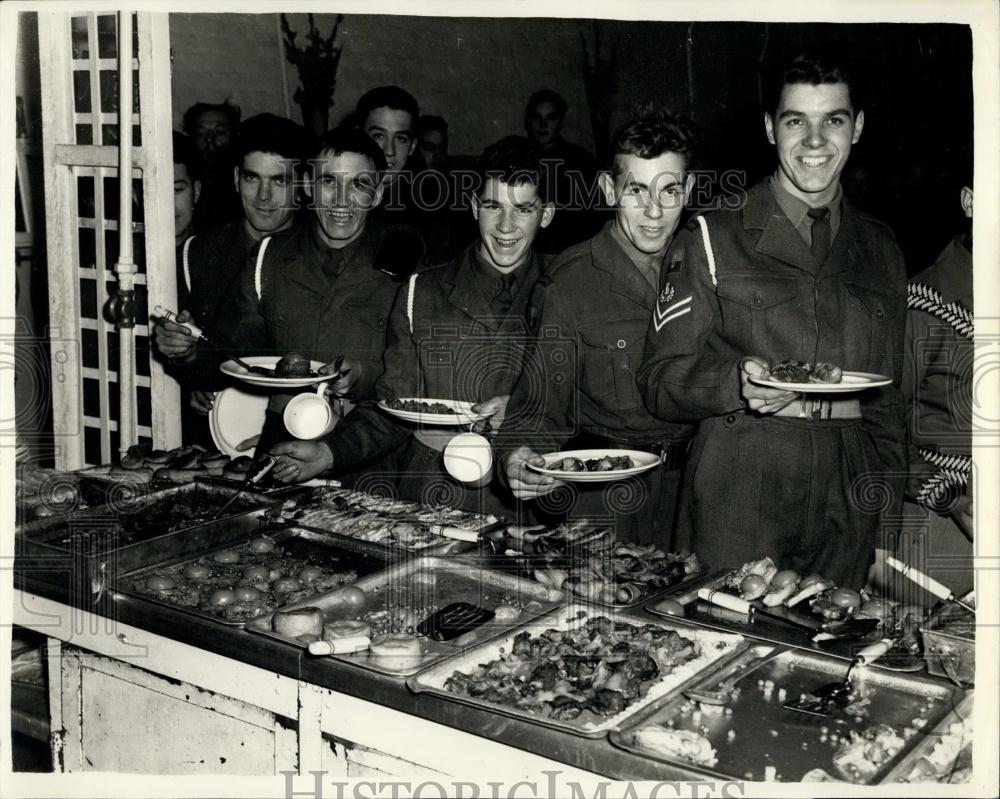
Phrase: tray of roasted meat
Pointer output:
(579, 669)
(754, 736)
(246, 579)
(808, 612)
(586, 561)
(400, 526)
(415, 613)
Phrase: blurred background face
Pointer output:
(433, 148)
(185, 196)
(344, 189)
(266, 185)
(211, 135)
(648, 195)
(509, 218)
(542, 124)
(392, 130)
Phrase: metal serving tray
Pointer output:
(950, 642)
(714, 646)
(427, 583)
(309, 548)
(705, 614)
(760, 732)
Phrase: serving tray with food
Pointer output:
(585, 559)
(577, 668)
(442, 412)
(244, 580)
(754, 736)
(818, 378)
(782, 606)
(595, 465)
(397, 525)
(410, 615)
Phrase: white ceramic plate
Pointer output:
(852, 381)
(463, 413)
(644, 461)
(236, 415)
(233, 369)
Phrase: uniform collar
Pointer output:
(467, 276)
(797, 210)
(609, 256)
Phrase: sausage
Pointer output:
(774, 598)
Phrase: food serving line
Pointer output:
(140, 628)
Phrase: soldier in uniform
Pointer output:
(456, 331)
(795, 273)
(590, 314)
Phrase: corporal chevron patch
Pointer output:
(667, 309)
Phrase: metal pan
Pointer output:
(427, 583)
(301, 548)
(714, 646)
(758, 734)
(950, 643)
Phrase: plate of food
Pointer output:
(289, 371)
(596, 465)
(444, 412)
(818, 378)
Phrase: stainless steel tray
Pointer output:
(765, 733)
(316, 547)
(427, 582)
(950, 642)
(714, 647)
(960, 714)
(705, 614)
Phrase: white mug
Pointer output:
(468, 458)
(309, 416)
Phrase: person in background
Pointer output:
(212, 127)
(795, 273)
(590, 313)
(187, 188)
(937, 385)
(569, 174)
(457, 331)
(432, 142)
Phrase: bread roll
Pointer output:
(397, 652)
(346, 629)
(301, 621)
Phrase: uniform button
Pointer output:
(731, 418)
(621, 343)
(879, 313)
(757, 298)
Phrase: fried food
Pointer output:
(418, 406)
(804, 372)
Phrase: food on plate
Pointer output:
(246, 593)
(262, 544)
(670, 606)
(676, 744)
(608, 463)
(293, 364)
(418, 406)
(160, 583)
(197, 571)
(352, 595)
(227, 556)
(803, 372)
(809, 589)
(776, 596)
(310, 574)
(752, 587)
(346, 628)
(286, 585)
(866, 752)
(224, 596)
(846, 598)
(764, 568)
(301, 621)
(396, 652)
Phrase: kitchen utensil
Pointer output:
(454, 620)
(722, 693)
(833, 696)
(730, 602)
(255, 474)
(928, 583)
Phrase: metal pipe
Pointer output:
(125, 266)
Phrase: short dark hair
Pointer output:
(231, 110)
(386, 97)
(653, 132)
(547, 96)
(428, 123)
(269, 133)
(812, 67)
(512, 160)
(351, 140)
(186, 154)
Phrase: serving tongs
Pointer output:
(929, 584)
(822, 631)
(258, 469)
(834, 696)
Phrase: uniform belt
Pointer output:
(672, 452)
(812, 406)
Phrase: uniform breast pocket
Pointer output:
(874, 327)
(291, 321)
(611, 355)
(760, 314)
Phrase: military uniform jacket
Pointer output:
(808, 493)
(209, 262)
(444, 342)
(937, 378)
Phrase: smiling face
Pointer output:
(185, 196)
(392, 130)
(813, 129)
(266, 185)
(648, 195)
(344, 188)
(509, 218)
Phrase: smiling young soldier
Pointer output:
(590, 313)
(796, 273)
(457, 332)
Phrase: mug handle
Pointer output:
(321, 389)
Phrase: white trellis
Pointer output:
(80, 119)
